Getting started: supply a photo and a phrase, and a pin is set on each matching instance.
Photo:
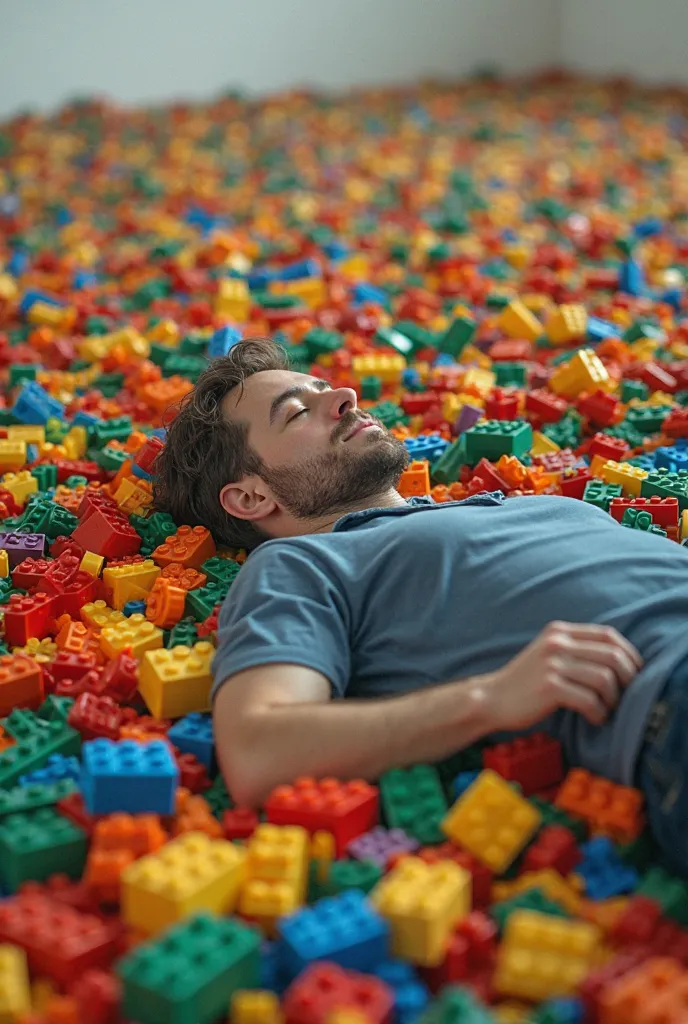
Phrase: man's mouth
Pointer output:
(359, 426)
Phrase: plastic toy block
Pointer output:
(343, 875)
(255, 1007)
(190, 874)
(135, 635)
(12, 455)
(20, 546)
(325, 988)
(177, 682)
(27, 617)
(542, 957)
(191, 972)
(381, 845)
(607, 807)
(494, 438)
(107, 531)
(655, 991)
(534, 762)
(33, 796)
(193, 734)
(37, 844)
(20, 485)
(276, 874)
(635, 519)
(411, 996)
(422, 903)
(190, 546)
(97, 615)
(565, 892)
(666, 484)
(555, 847)
(15, 992)
(517, 321)
(630, 477)
(21, 683)
(122, 583)
(29, 572)
(413, 800)
(529, 899)
(567, 323)
(128, 776)
(343, 929)
(239, 823)
(186, 579)
(60, 942)
(664, 511)
(669, 892)
(456, 1005)
(552, 815)
(603, 870)
(601, 494)
(95, 717)
(165, 603)
(458, 335)
(344, 809)
(585, 371)
(32, 751)
(492, 821)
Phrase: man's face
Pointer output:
(319, 451)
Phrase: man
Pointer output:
(441, 624)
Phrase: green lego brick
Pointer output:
(447, 468)
(420, 337)
(637, 519)
(456, 1005)
(627, 433)
(389, 414)
(413, 800)
(647, 419)
(510, 374)
(634, 389)
(109, 384)
(394, 339)
(217, 798)
(493, 438)
(371, 388)
(600, 494)
(33, 751)
(55, 709)
(45, 516)
(640, 852)
(159, 353)
(669, 891)
(467, 760)
(221, 570)
(529, 899)
(567, 432)
(19, 372)
(641, 330)
(184, 633)
(320, 342)
(190, 367)
(111, 459)
(56, 430)
(38, 844)
(191, 972)
(153, 530)
(193, 345)
(201, 602)
(21, 799)
(352, 874)
(667, 485)
(117, 429)
(552, 815)
(458, 335)
(22, 723)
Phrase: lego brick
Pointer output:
(33, 751)
(193, 734)
(494, 438)
(21, 683)
(34, 795)
(177, 682)
(190, 874)
(344, 809)
(456, 1004)
(381, 845)
(191, 972)
(606, 807)
(37, 844)
(603, 870)
(128, 776)
(534, 762)
(135, 635)
(422, 903)
(15, 991)
(413, 800)
(276, 874)
(121, 581)
(492, 821)
(325, 988)
(190, 546)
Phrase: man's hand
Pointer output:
(568, 665)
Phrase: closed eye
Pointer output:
(296, 415)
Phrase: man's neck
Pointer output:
(325, 524)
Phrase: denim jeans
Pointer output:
(662, 772)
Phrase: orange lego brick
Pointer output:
(21, 683)
(162, 394)
(191, 546)
(180, 576)
(656, 992)
(165, 604)
(193, 814)
(608, 808)
(415, 480)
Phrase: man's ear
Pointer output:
(249, 499)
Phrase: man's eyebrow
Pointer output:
(295, 392)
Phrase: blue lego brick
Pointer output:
(134, 608)
(33, 295)
(335, 250)
(222, 340)
(17, 263)
(648, 227)
(193, 734)
(567, 1010)
(599, 329)
(344, 929)
(272, 974)
(429, 447)
(364, 292)
(410, 379)
(136, 778)
(35, 406)
(57, 767)
(631, 278)
(299, 269)
(84, 279)
(604, 872)
(85, 419)
(462, 781)
(411, 996)
(672, 458)
(260, 278)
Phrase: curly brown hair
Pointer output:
(204, 451)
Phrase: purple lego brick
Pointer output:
(467, 418)
(380, 844)
(22, 545)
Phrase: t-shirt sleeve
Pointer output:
(284, 607)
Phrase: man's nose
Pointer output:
(340, 401)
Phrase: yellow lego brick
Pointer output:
(492, 821)
(15, 993)
(76, 442)
(482, 380)
(26, 432)
(129, 339)
(166, 332)
(134, 495)
(255, 1006)
(92, 564)
(93, 348)
(565, 892)
(542, 445)
(135, 632)
(232, 299)
(630, 477)
(584, 372)
(265, 902)
(567, 323)
(20, 485)
(99, 614)
(311, 290)
(683, 523)
(388, 368)
(48, 315)
(4, 564)
(517, 321)
(176, 682)
(422, 903)
(8, 287)
(543, 957)
(122, 580)
(192, 873)
(276, 873)
(12, 454)
(43, 650)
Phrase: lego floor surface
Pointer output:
(499, 271)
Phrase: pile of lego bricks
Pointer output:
(499, 271)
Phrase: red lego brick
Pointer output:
(325, 987)
(482, 877)
(71, 589)
(545, 406)
(346, 809)
(556, 848)
(148, 453)
(209, 625)
(502, 404)
(28, 616)
(655, 376)
(637, 923)
(98, 996)
(470, 954)
(21, 683)
(95, 717)
(107, 532)
(80, 467)
(67, 665)
(66, 545)
(608, 447)
(607, 807)
(416, 405)
(534, 761)
(573, 482)
(59, 942)
(192, 774)
(676, 423)
(239, 823)
(119, 678)
(600, 408)
(28, 573)
(65, 890)
(486, 474)
(664, 511)
(556, 462)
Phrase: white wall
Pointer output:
(139, 50)
(645, 39)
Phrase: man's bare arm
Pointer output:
(276, 722)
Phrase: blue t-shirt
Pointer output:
(393, 600)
